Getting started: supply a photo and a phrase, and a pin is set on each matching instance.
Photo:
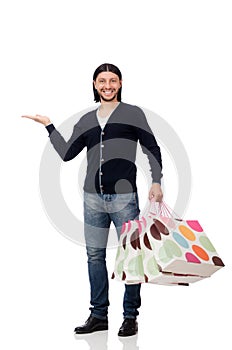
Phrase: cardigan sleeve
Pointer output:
(67, 150)
(150, 147)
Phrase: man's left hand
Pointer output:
(156, 193)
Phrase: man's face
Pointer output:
(107, 85)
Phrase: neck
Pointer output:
(108, 105)
(107, 108)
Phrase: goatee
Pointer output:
(107, 99)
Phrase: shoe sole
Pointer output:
(126, 335)
(100, 329)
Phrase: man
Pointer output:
(110, 133)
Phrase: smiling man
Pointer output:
(110, 133)
(107, 85)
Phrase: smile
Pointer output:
(108, 92)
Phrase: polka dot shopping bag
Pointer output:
(128, 263)
(181, 246)
(160, 248)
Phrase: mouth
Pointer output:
(108, 95)
(108, 92)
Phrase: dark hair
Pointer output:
(106, 67)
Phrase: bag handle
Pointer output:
(162, 209)
(171, 212)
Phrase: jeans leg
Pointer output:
(96, 228)
(99, 284)
(132, 298)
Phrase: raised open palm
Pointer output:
(38, 118)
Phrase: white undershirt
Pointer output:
(102, 120)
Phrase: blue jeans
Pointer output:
(99, 211)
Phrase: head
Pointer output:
(107, 83)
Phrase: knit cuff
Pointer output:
(50, 128)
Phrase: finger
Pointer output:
(28, 116)
(158, 197)
(150, 195)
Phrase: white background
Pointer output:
(175, 57)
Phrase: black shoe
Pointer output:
(129, 327)
(93, 324)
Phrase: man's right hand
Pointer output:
(39, 119)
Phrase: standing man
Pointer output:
(110, 133)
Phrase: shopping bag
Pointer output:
(161, 248)
(128, 262)
(135, 260)
(153, 272)
(181, 246)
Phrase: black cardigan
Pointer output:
(111, 152)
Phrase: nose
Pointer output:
(107, 84)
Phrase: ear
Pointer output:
(94, 84)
